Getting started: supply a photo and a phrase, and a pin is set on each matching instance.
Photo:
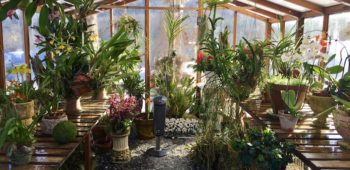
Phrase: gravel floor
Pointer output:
(177, 157)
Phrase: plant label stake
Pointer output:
(159, 124)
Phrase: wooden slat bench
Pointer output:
(316, 147)
(49, 155)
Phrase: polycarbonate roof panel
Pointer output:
(262, 7)
(324, 3)
(290, 5)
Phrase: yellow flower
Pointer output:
(23, 69)
(61, 47)
(73, 38)
(51, 42)
(69, 49)
(57, 51)
(93, 37)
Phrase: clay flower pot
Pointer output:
(121, 151)
(144, 129)
(25, 111)
(276, 97)
(103, 145)
(47, 124)
(318, 104)
(342, 123)
(287, 121)
(21, 155)
(73, 106)
(100, 94)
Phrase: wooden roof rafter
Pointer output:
(309, 5)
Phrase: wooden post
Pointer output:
(324, 35)
(235, 21)
(147, 55)
(87, 151)
(200, 14)
(2, 61)
(300, 30)
(268, 30)
(283, 28)
(26, 45)
(111, 29)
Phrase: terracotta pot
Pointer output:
(73, 106)
(103, 145)
(144, 129)
(25, 111)
(318, 104)
(266, 96)
(276, 98)
(121, 151)
(287, 121)
(22, 155)
(100, 94)
(47, 125)
(342, 123)
(99, 131)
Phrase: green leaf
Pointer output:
(289, 98)
(29, 12)
(331, 59)
(44, 20)
(335, 69)
(342, 101)
(12, 4)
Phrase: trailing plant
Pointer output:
(131, 26)
(260, 149)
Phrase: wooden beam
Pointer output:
(245, 11)
(309, 5)
(147, 55)
(200, 14)
(328, 10)
(325, 24)
(235, 21)
(345, 2)
(271, 15)
(277, 7)
(26, 45)
(2, 61)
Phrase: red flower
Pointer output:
(200, 56)
(210, 58)
(324, 43)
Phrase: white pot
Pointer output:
(47, 125)
(121, 151)
(287, 121)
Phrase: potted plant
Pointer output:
(289, 117)
(321, 98)
(49, 105)
(119, 118)
(110, 61)
(21, 93)
(261, 149)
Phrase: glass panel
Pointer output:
(186, 43)
(250, 28)
(158, 39)
(137, 3)
(13, 43)
(337, 22)
(103, 25)
(313, 26)
(187, 3)
(290, 27)
(228, 21)
(276, 31)
(163, 3)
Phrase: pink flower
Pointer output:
(11, 13)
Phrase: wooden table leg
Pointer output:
(87, 152)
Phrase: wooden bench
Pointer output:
(316, 147)
(50, 155)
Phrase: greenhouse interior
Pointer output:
(174, 84)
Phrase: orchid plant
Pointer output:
(120, 113)
(20, 90)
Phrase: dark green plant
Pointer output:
(64, 132)
(130, 24)
(134, 85)
(260, 149)
(290, 99)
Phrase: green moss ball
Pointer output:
(64, 132)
